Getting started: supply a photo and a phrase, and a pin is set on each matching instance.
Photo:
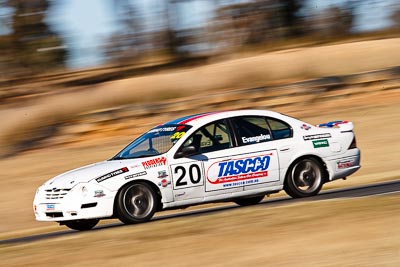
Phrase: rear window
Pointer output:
(252, 130)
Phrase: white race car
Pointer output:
(238, 156)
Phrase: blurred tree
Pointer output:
(261, 21)
(395, 16)
(4, 17)
(30, 43)
(291, 17)
(174, 39)
(133, 38)
(124, 45)
(333, 22)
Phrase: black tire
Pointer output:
(136, 203)
(248, 201)
(81, 225)
(305, 178)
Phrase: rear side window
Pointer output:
(251, 130)
(280, 129)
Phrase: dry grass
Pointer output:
(346, 232)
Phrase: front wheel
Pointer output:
(136, 203)
(81, 225)
(304, 179)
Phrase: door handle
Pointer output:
(285, 148)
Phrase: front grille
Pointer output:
(56, 193)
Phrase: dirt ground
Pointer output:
(341, 232)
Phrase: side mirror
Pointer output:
(186, 151)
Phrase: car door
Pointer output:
(187, 178)
(193, 175)
(259, 164)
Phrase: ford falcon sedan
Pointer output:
(238, 156)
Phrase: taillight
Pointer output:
(353, 143)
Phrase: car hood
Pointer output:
(87, 173)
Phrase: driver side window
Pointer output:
(211, 137)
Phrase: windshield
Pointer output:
(153, 143)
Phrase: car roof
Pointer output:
(203, 118)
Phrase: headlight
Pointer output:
(39, 188)
(84, 191)
(89, 190)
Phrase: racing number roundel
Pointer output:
(187, 175)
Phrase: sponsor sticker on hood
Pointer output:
(111, 174)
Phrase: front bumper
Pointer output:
(84, 201)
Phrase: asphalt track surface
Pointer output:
(383, 188)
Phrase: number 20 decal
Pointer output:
(194, 172)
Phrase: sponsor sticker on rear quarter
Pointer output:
(320, 143)
(344, 164)
(316, 136)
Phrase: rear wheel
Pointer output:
(81, 225)
(248, 201)
(305, 178)
(136, 203)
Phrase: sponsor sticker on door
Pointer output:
(239, 169)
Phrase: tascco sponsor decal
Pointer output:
(154, 162)
(256, 139)
(320, 143)
(134, 175)
(239, 169)
(111, 174)
(316, 136)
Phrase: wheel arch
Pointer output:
(150, 183)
